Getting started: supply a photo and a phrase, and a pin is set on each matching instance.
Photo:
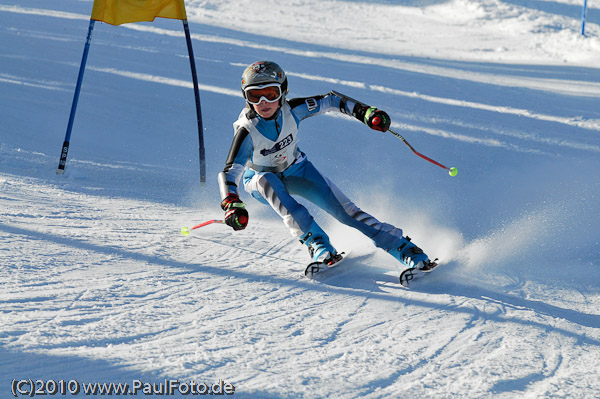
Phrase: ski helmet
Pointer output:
(262, 73)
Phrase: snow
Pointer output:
(98, 285)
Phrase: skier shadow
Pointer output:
(441, 285)
(378, 281)
(518, 303)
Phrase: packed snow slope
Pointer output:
(98, 285)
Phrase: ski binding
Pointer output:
(314, 268)
(409, 275)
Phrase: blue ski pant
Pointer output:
(303, 179)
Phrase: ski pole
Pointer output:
(186, 230)
(451, 171)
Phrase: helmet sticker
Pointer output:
(259, 67)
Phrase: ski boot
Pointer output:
(411, 256)
(319, 247)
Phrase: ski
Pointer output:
(314, 268)
(408, 276)
(411, 274)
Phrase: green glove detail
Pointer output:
(377, 119)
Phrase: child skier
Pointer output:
(264, 150)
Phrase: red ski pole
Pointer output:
(186, 230)
(451, 171)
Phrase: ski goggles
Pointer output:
(270, 93)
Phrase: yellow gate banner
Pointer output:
(117, 12)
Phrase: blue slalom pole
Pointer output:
(583, 12)
(201, 150)
(65, 148)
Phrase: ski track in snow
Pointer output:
(110, 283)
(98, 285)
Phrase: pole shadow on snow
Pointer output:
(573, 316)
(30, 365)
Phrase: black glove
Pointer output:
(236, 215)
(377, 119)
